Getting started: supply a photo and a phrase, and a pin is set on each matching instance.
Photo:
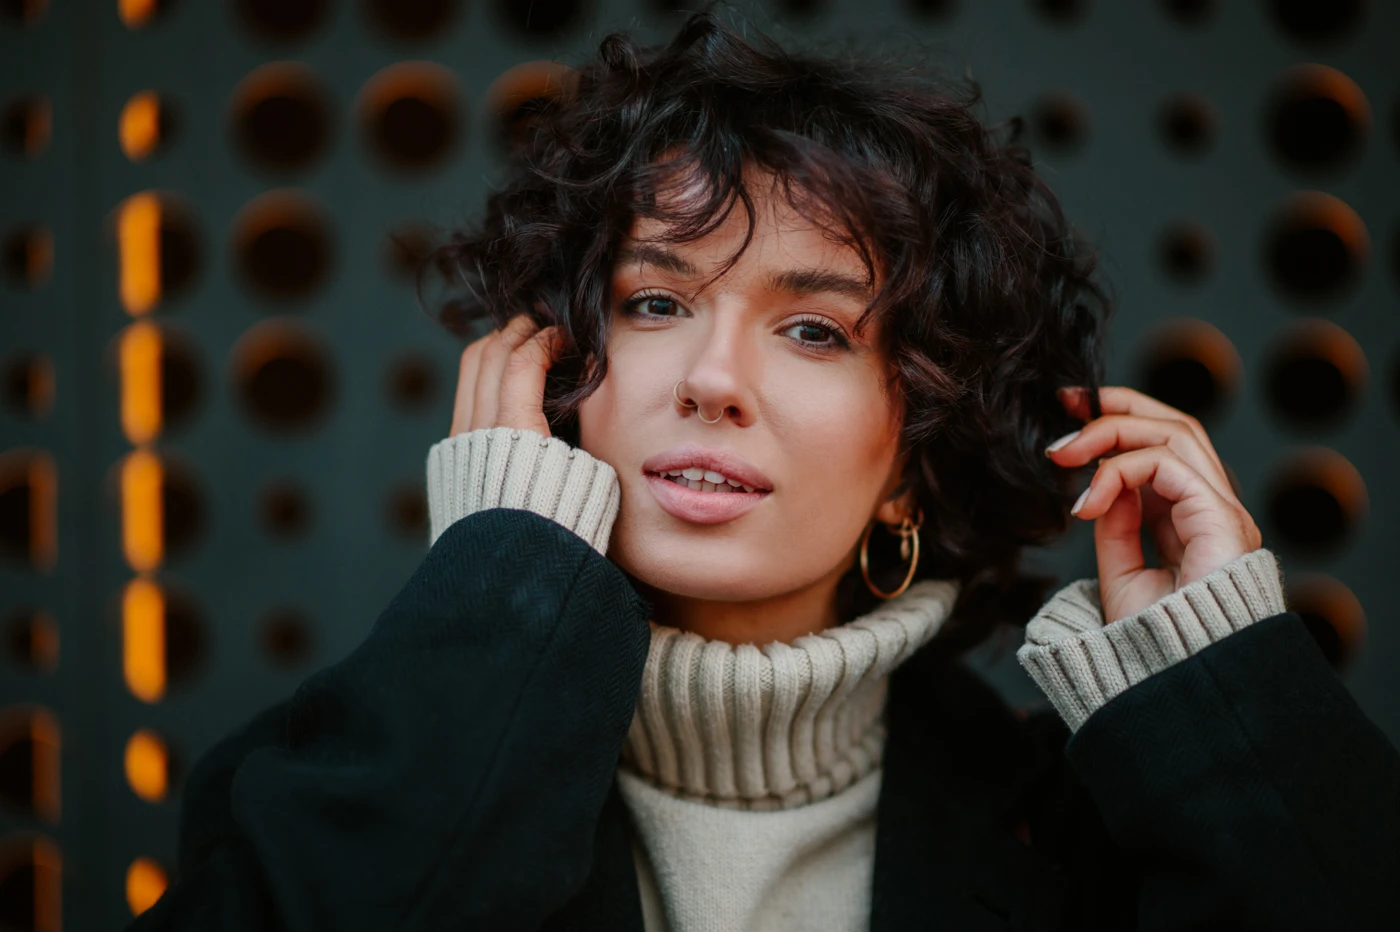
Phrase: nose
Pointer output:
(718, 380)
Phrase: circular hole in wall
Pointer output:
(286, 638)
(31, 886)
(29, 507)
(1191, 366)
(1316, 247)
(23, 12)
(181, 379)
(183, 511)
(1332, 615)
(406, 249)
(1318, 119)
(26, 124)
(1315, 374)
(281, 20)
(29, 763)
(1188, 123)
(282, 246)
(411, 20)
(29, 385)
(1187, 251)
(1061, 123)
(138, 14)
(31, 640)
(159, 250)
(283, 377)
(28, 256)
(411, 382)
(1315, 500)
(1189, 12)
(541, 19)
(406, 511)
(1061, 11)
(285, 509)
(1318, 22)
(937, 10)
(520, 96)
(281, 117)
(409, 115)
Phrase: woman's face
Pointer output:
(803, 417)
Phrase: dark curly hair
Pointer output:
(986, 306)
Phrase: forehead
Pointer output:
(801, 235)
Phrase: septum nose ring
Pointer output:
(676, 390)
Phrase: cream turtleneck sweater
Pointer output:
(752, 772)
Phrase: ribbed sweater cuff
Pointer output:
(503, 467)
(1080, 663)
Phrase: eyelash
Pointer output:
(631, 306)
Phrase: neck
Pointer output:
(783, 617)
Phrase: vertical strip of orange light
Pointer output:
(147, 765)
(138, 247)
(143, 639)
(139, 360)
(43, 511)
(138, 129)
(135, 13)
(43, 733)
(48, 886)
(142, 540)
(145, 882)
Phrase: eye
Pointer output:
(817, 333)
(652, 305)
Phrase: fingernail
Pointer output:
(1061, 442)
(1080, 504)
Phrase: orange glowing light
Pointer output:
(43, 511)
(143, 639)
(142, 534)
(136, 13)
(139, 126)
(147, 765)
(138, 246)
(139, 360)
(145, 882)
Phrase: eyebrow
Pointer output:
(792, 281)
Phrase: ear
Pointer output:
(893, 511)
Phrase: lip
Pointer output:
(685, 503)
(704, 507)
(722, 461)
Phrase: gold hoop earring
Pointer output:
(908, 531)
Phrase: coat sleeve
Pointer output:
(449, 773)
(1234, 773)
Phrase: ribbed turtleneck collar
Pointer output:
(777, 725)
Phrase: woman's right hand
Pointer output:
(500, 381)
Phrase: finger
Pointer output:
(1118, 539)
(522, 387)
(466, 386)
(1123, 432)
(493, 365)
(1119, 399)
(1197, 510)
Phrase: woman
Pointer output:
(714, 522)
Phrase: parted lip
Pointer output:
(731, 464)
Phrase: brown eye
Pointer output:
(652, 305)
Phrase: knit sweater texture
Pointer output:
(752, 772)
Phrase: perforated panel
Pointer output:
(218, 390)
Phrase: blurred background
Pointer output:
(218, 388)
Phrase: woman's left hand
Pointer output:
(1166, 475)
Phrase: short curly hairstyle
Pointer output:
(987, 303)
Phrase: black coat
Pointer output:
(456, 772)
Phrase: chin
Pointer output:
(683, 565)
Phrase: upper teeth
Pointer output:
(700, 478)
